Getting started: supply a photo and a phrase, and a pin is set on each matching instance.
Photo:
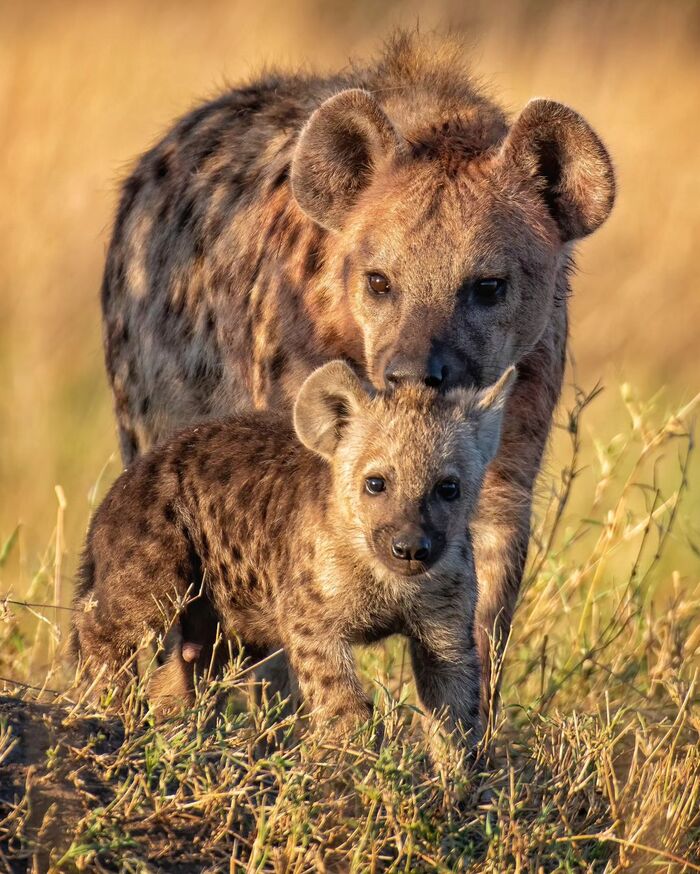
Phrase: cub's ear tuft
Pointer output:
(337, 153)
(325, 403)
(570, 165)
(490, 404)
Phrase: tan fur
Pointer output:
(242, 247)
(291, 550)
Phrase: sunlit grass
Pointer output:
(593, 764)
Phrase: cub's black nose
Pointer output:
(411, 547)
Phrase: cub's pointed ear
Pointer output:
(561, 152)
(490, 404)
(337, 152)
(325, 403)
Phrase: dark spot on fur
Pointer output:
(161, 167)
(312, 261)
(190, 122)
(281, 178)
(278, 364)
(200, 370)
(210, 322)
(169, 513)
(185, 215)
(236, 554)
(292, 237)
(129, 444)
(145, 404)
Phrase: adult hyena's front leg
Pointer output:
(501, 528)
(500, 537)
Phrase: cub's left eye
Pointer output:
(375, 485)
(489, 291)
(447, 489)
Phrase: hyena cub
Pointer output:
(352, 530)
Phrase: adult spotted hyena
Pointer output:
(390, 215)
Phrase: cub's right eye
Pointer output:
(378, 284)
(374, 485)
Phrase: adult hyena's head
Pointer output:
(407, 465)
(451, 242)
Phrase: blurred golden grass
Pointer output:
(84, 87)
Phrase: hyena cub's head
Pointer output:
(451, 236)
(407, 465)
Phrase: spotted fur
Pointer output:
(243, 239)
(283, 540)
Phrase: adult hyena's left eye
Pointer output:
(447, 490)
(378, 283)
(489, 291)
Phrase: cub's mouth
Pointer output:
(405, 568)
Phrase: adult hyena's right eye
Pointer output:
(378, 283)
(447, 489)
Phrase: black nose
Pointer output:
(401, 369)
(416, 547)
(437, 372)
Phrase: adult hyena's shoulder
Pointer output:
(194, 222)
(215, 143)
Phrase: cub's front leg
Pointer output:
(447, 672)
(329, 685)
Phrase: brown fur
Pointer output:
(291, 550)
(243, 241)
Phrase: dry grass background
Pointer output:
(602, 720)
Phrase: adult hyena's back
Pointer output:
(190, 255)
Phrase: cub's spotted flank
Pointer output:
(351, 529)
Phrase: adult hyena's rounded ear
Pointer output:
(325, 403)
(571, 166)
(338, 150)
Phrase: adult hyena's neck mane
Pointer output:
(424, 85)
